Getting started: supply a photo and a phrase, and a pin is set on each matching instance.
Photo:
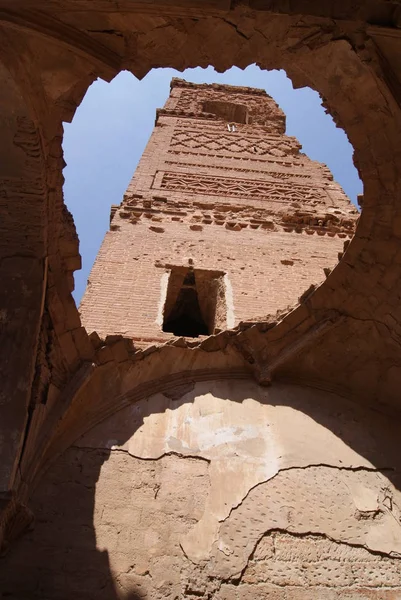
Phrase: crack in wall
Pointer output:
(318, 534)
(236, 579)
(309, 466)
(353, 469)
(145, 458)
(336, 486)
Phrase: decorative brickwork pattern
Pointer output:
(233, 143)
(239, 187)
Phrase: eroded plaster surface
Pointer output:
(275, 459)
(221, 489)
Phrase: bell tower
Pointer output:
(225, 220)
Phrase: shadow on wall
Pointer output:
(58, 559)
(112, 517)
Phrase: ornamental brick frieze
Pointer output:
(281, 175)
(263, 162)
(158, 209)
(235, 143)
(221, 186)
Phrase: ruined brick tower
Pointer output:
(224, 221)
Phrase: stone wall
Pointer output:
(220, 490)
(57, 381)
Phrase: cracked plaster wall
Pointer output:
(220, 489)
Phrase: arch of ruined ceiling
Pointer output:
(343, 336)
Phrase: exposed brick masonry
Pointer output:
(225, 190)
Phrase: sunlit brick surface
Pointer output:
(214, 193)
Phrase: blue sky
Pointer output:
(112, 125)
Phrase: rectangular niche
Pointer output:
(195, 302)
(229, 111)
